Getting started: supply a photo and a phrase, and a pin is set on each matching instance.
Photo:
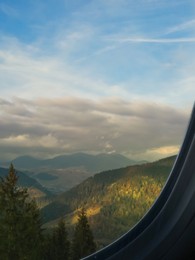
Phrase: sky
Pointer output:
(95, 76)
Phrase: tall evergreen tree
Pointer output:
(20, 226)
(83, 242)
(58, 246)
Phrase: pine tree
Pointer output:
(58, 246)
(20, 227)
(83, 242)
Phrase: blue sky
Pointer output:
(120, 64)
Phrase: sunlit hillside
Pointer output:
(115, 200)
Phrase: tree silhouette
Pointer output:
(20, 225)
(58, 246)
(83, 242)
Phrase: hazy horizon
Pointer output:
(87, 153)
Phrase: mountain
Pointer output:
(25, 162)
(92, 163)
(35, 189)
(66, 171)
(115, 200)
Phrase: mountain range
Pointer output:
(63, 172)
(92, 163)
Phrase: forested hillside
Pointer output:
(115, 200)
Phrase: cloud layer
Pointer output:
(47, 127)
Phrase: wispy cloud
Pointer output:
(26, 72)
(153, 40)
(8, 10)
(182, 27)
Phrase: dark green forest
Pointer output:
(22, 236)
